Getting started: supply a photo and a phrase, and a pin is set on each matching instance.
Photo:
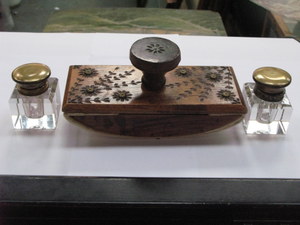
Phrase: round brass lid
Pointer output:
(31, 73)
(31, 78)
(270, 83)
(272, 76)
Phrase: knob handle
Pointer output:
(154, 56)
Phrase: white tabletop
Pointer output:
(72, 150)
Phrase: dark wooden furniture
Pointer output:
(240, 18)
(275, 26)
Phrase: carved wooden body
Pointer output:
(194, 100)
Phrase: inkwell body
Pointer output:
(35, 100)
(269, 109)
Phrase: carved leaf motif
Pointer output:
(72, 100)
(133, 82)
(87, 100)
(128, 73)
(74, 89)
(236, 101)
(76, 66)
(77, 84)
(106, 100)
(78, 98)
(97, 99)
(207, 89)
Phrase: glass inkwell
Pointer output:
(269, 109)
(35, 100)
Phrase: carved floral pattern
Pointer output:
(183, 72)
(114, 85)
(214, 77)
(155, 48)
(88, 72)
(225, 95)
(204, 86)
(90, 90)
(122, 95)
(228, 95)
(97, 91)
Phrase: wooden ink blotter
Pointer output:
(153, 97)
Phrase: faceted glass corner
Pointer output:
(265, 117)
(36, 112)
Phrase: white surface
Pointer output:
(71, 150)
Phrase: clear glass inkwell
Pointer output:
(35, 100)
(269, 109)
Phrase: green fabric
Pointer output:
(137, 20)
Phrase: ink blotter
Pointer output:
(154, 96)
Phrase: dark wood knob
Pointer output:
(154, 56)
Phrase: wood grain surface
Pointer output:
(112, 99)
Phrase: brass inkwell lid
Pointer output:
(270, 83)
(31, 78)
(154, 97)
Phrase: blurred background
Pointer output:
(249, 18)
